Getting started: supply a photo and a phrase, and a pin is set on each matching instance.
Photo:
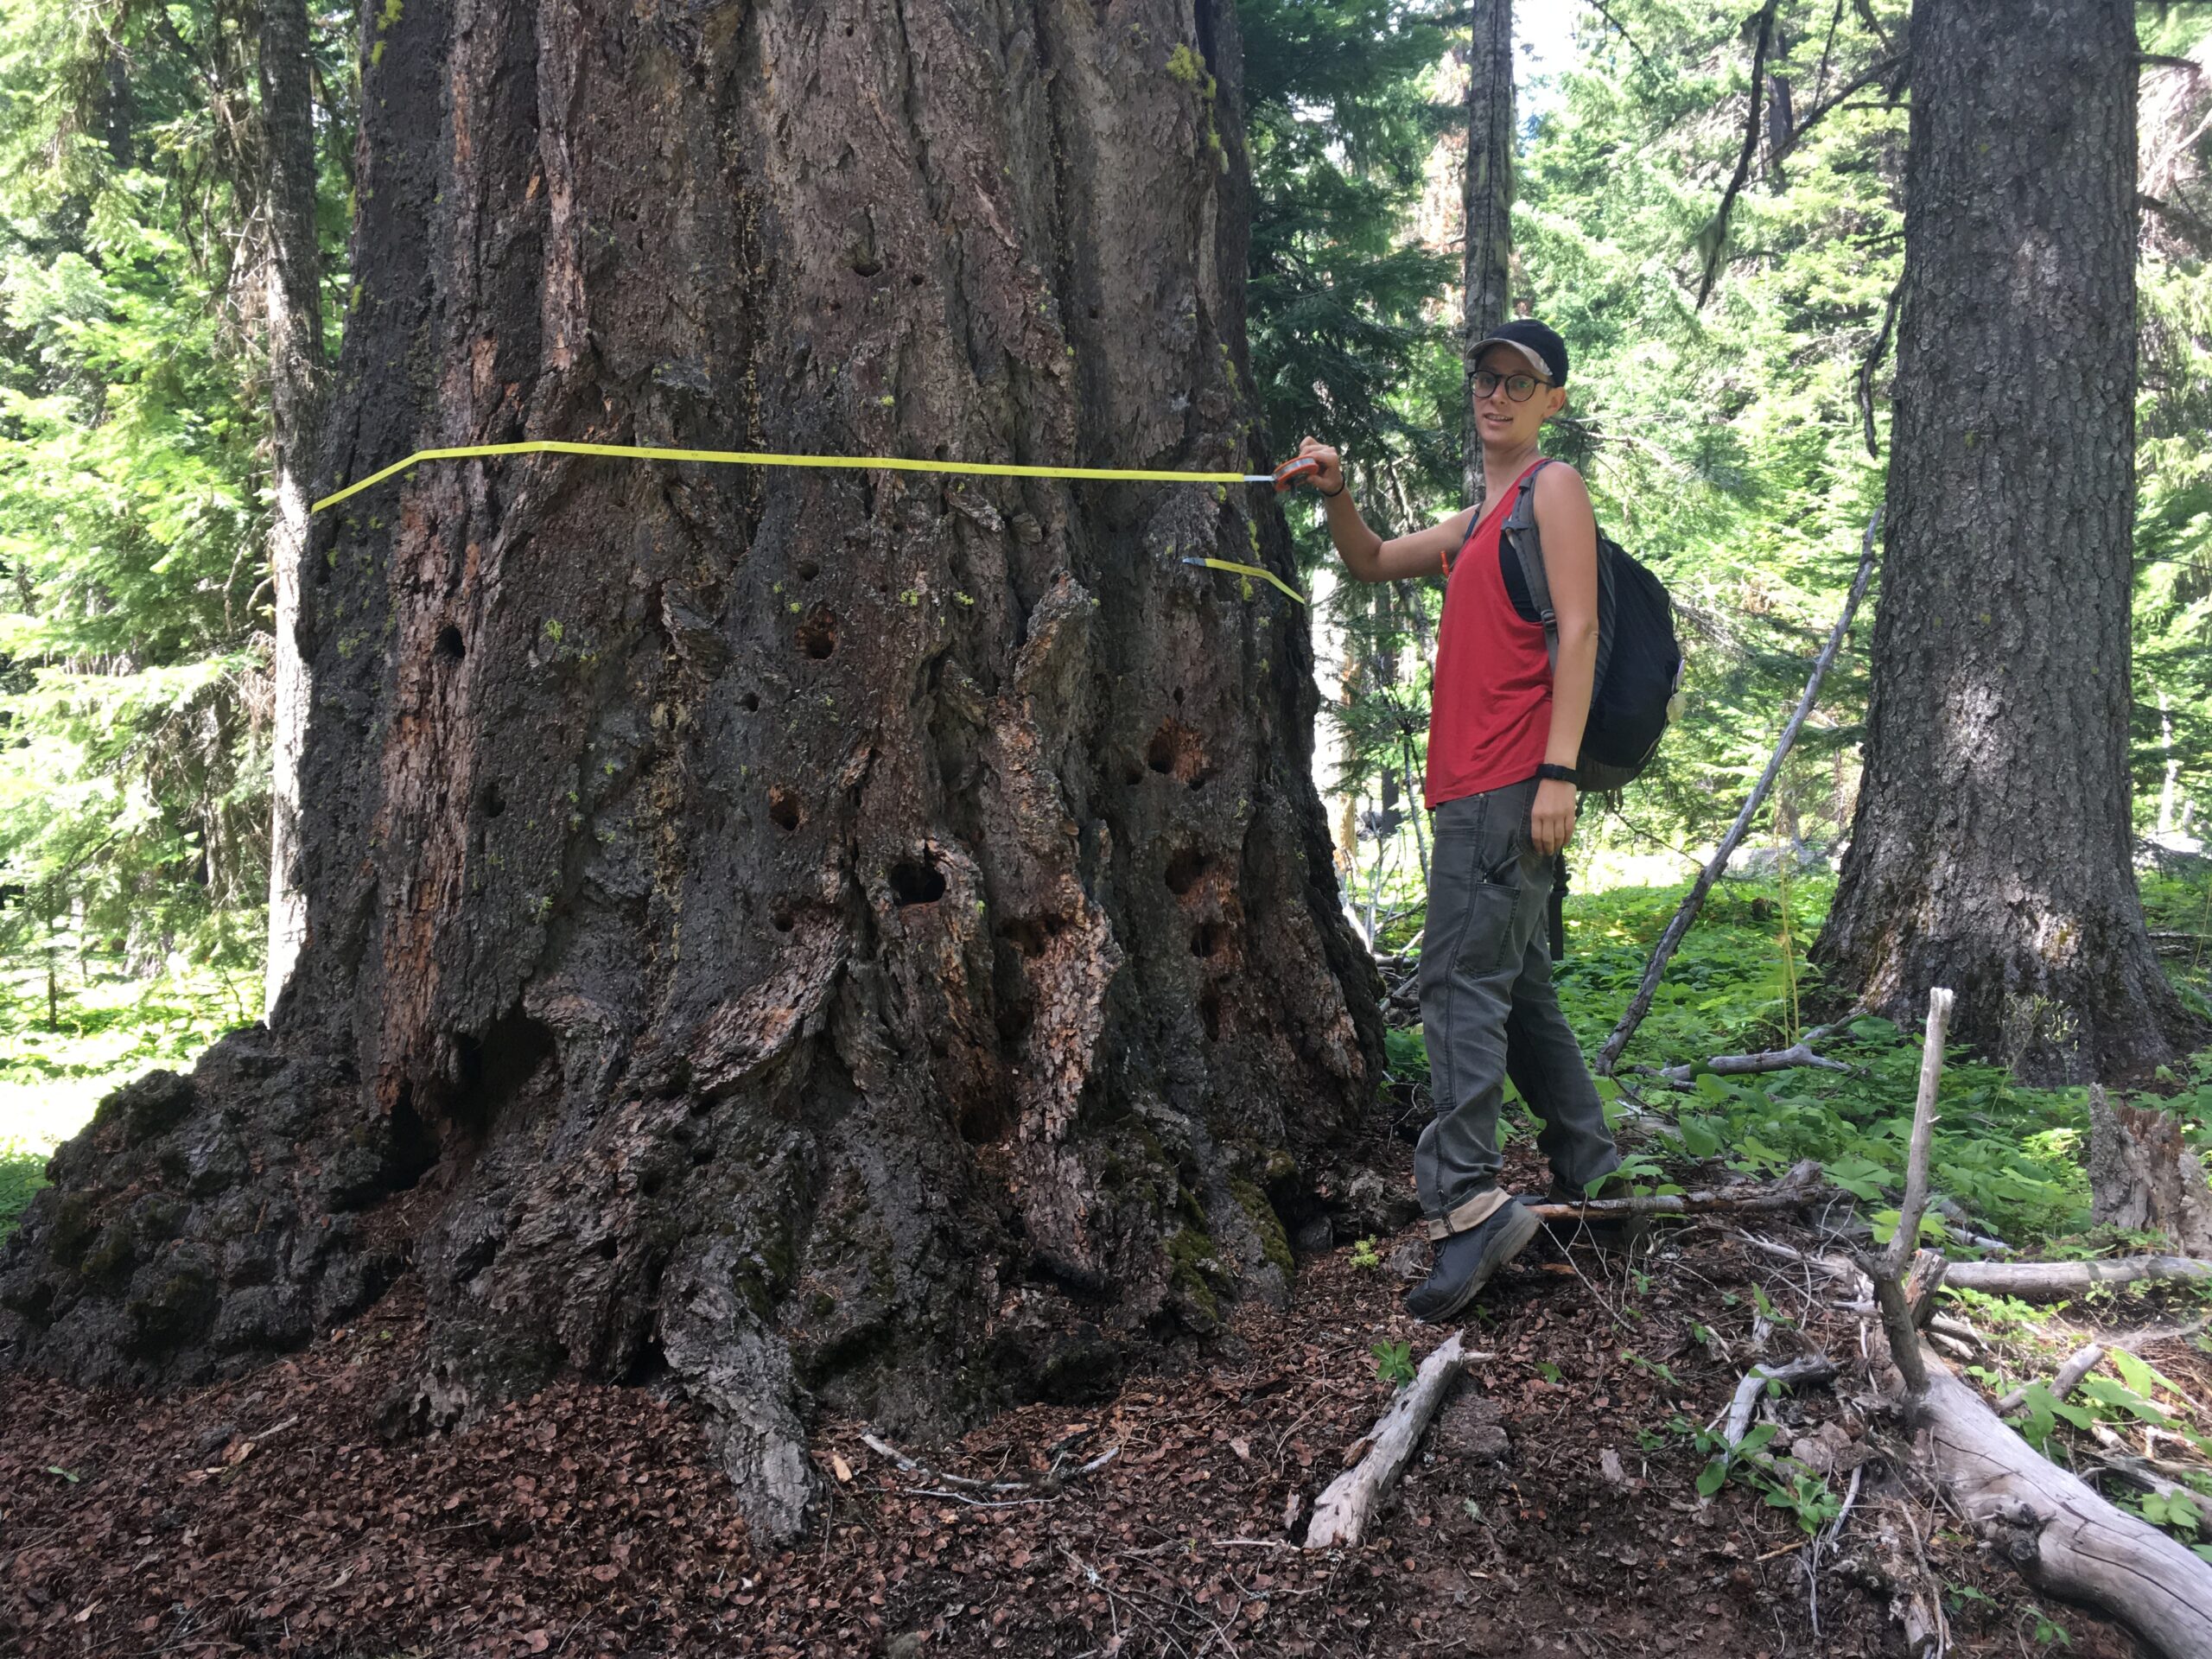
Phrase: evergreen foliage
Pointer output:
(133, 466)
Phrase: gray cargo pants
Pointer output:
(1487, 1011)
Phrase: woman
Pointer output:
(1503, 739)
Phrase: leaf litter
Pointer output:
(1553, 1508)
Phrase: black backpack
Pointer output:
(1639, 661)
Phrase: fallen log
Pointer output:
(1341, 1513)
(1801, 1185)
(2047, 1282)
(2051, 1525)
(2058, 1532)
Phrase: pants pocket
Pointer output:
(1483, 942)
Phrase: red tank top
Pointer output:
(1491, 705)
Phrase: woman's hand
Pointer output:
(1331, 477)
(1551, 820)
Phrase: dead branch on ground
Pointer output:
(1809, 1368)
(1341, 1514)
(1640, 1004)
(2068, 1378)
(2051, 1281)
(1801, 1185)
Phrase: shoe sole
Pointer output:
(1513, 1239)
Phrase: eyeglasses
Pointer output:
(1519, 387)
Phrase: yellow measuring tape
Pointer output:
(851, 463)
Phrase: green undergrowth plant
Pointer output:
(2104, 1412)
(1783, 1481)
(1394, 1363)
(22, 1174)
(2011, 1155)
(72, 1031)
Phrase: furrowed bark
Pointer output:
(851, 939)
(1486, 202)
(2000, 646)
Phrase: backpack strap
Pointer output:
(1529, 547)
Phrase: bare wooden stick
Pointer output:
(2050, 1281)
(1809, 1368)
(1915, 1206)
(1640, 1005)
(1052, 1480)
(1341, 1514)
(2061, 1536)
(1887, 1269)
(1741, 1065)
(2067, 1379)
(1797, 1188)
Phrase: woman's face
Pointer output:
(1500, 420)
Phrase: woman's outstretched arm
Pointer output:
(1367, 556)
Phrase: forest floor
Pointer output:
(1554, 1509)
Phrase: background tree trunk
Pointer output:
(293, 303)
(1991, 849)
(858, 938)
(1487, 197)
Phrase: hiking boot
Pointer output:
(1465, 1263)
(1604, 1233)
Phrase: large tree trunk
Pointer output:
(293, 303)
(1991, 848)
(863, 939)
(1486, 194)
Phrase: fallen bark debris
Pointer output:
(1341, 1513)
(1925, 1279)
(2142, 1474)
(2143, 1177)
(2050, 1281)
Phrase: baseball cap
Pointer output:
(1545, 350)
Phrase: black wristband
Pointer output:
(1560, 774)
(1331, 494)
